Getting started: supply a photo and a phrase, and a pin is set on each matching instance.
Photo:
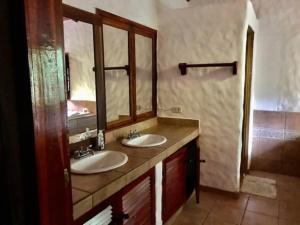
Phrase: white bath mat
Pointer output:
(264, 187)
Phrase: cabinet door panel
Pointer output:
(138, 201)
(174, 175)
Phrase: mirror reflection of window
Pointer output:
(79, 47)
(116, 62)
(143, 48)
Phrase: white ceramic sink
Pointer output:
(99, 162)
(145, 140)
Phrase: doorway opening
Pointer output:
(247, 103)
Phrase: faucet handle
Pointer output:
(76, 154)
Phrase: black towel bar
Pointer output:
(183, 66)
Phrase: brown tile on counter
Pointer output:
(78, 195)
(176, 121)
(132, 163)
(108, 190)
(93, 182)
(82, 207)
(145, 153)
(292, 121)
(134, 168)
(269, 119)
(172, 132)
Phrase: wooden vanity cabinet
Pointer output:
(174, 173)
(179, 179)
(138, 200)
(133, 205)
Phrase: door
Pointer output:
(46, 58)
(138, 201)
(247, 101)
(174, 183)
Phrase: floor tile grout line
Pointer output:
(209, 212)
(245, 210)
(204, 221)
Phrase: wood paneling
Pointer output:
(174, 183)
(133, 205)
(138, 200)
(46, 59)
(18, 185)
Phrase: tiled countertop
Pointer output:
(90, 190)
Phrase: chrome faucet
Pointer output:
(133, 134)
(83, 153)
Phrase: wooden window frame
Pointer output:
(134, 28)
(97, 21)
(90, 18)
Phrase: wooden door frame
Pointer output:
(247, 101)
(33, 121)
(19, 203)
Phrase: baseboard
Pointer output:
(219, 191)
(174, 217)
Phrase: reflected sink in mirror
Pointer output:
(145, 140)
(99, 162)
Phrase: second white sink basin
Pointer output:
(99, 162)
(145, 140)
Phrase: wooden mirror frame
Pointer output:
(133, 28)
(97, 20)
(90, 18)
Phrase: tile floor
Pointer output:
(217, 209)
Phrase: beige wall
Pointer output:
(206, 32)
(277, 86)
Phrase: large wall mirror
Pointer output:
(82, 74)
(129, 51)
(110, 72)
(145, 78)
(117, 75)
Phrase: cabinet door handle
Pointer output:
(125, 216)
(119, 218)
(202, 161)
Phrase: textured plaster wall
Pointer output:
(79, 44)
(115, 43)
(277, 87)
(143, 51)
(141, 11)
(206, 32)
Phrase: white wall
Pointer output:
(277, 86)
(78, 40)
(140, 11)
(206, 32)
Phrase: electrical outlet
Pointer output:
(176, 109)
